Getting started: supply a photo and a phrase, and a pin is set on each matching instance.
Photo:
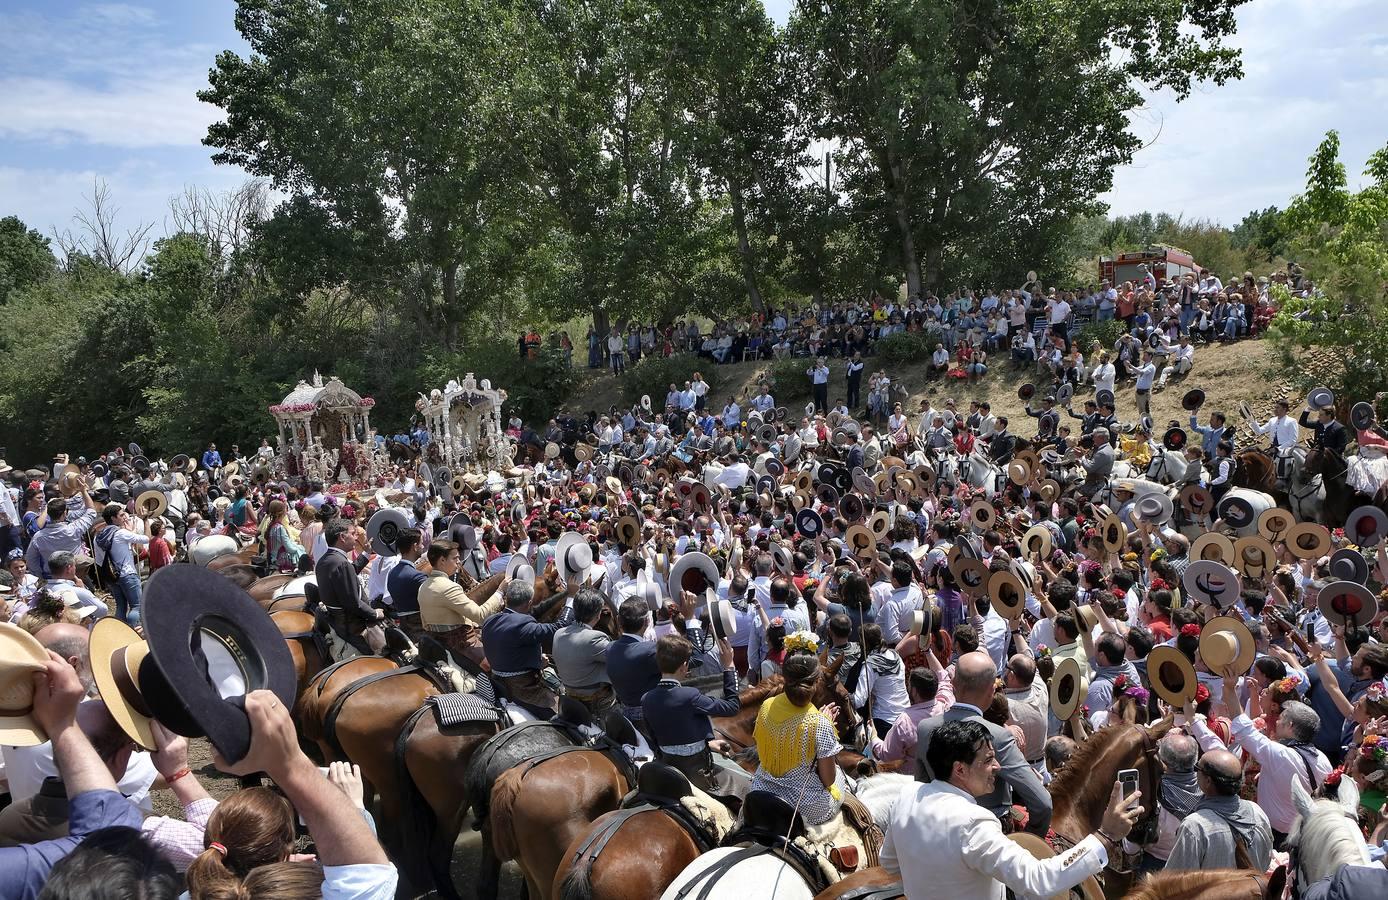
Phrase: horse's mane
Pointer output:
(761, 690)
(1076, 782)
(1328, 838)
(1071, 779)
(1175, 885)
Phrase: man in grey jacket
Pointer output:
(975, 679)
(580, 654)
(1222, 822)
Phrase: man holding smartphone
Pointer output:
(944, 844)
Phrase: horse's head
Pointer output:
(1326, 835)
(830, 690)
(1320, 461)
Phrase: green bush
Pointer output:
(1106, 333)
(654, 374)
(535, 388)
(789, 378)
(907, 347)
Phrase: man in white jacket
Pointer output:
(943, 844)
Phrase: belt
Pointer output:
(586, 692)
(402, 615)
(694, 749)
(445, 629)
(515, 674)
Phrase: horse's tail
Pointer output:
(578, 884)
(502, 812)
(417, 825)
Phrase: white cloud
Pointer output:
(1309, 66)
(158, 111)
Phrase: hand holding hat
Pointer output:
(57, 691)
(274, 742)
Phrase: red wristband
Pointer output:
(170, 779)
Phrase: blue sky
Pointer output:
(107, 90)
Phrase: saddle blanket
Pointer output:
(460, 709)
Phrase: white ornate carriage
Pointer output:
(325, 429)
(465, 427)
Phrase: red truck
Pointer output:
(1163, 262)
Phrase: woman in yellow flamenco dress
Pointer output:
(796, 744)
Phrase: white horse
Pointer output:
(211, 547)
(1327, 835)
(977, 470)
(765, 876)
(1166, 467)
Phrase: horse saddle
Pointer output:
(452, 710)
(767, 819)
(661, 784)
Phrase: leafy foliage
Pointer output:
(653, 375)
(907, 348)
(1342, 236)
(1105, 334)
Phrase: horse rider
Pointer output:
(513, 641)
(1048, 419)
(1330, 434)
(446, 611)
(404, 581)
(631, 659)
(1098, 465)
(677, 718)
(1001, 444)
(340, 589)
(1282, 427)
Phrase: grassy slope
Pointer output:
(1227, 373)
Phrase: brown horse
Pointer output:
(262, 590)
(661, 853)
(318, 696)
(1339, 499)
(561, 798)
(660, 850)
(243, 575)
(306, 646)
(430, 759)
(241, 557)
(877, 877)
(1215, 884)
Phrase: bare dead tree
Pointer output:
(96, 235)
(223, 219)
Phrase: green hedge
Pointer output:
(1105, 333)
(535, 388)
(789, 378)
(654, 374)
(907, 347)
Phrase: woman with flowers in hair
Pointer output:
(797, 743)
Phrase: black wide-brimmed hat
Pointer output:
(1193, 400)
(1361, 415)
(809, 523)
(384, 527)
(210, 644)
(1174, 439)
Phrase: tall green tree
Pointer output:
(1342, 237)
(25, 259)
(410, 122)
(997, 119)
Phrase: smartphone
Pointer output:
(1310, 632)
(1128, 779)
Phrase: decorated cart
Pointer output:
(325, 430)
(465, 427)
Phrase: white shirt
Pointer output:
(1145, 374)
(376, 585)
(1103, 376)
(820, 374)
(1179, 353)
(940, 357)
(893, 610)
(943, 844)
(763, 402)
(1285, 431)
(1060, 310)
(733, 476)
(27, 767)
(1280, 764)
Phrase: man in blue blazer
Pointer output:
(631, 663)
(677, 717)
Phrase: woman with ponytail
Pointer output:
(250, 838)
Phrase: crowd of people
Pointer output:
(987, 603)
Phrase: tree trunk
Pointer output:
(744, 247)
(450, 299)
(891, 173)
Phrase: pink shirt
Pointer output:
(900, 742)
